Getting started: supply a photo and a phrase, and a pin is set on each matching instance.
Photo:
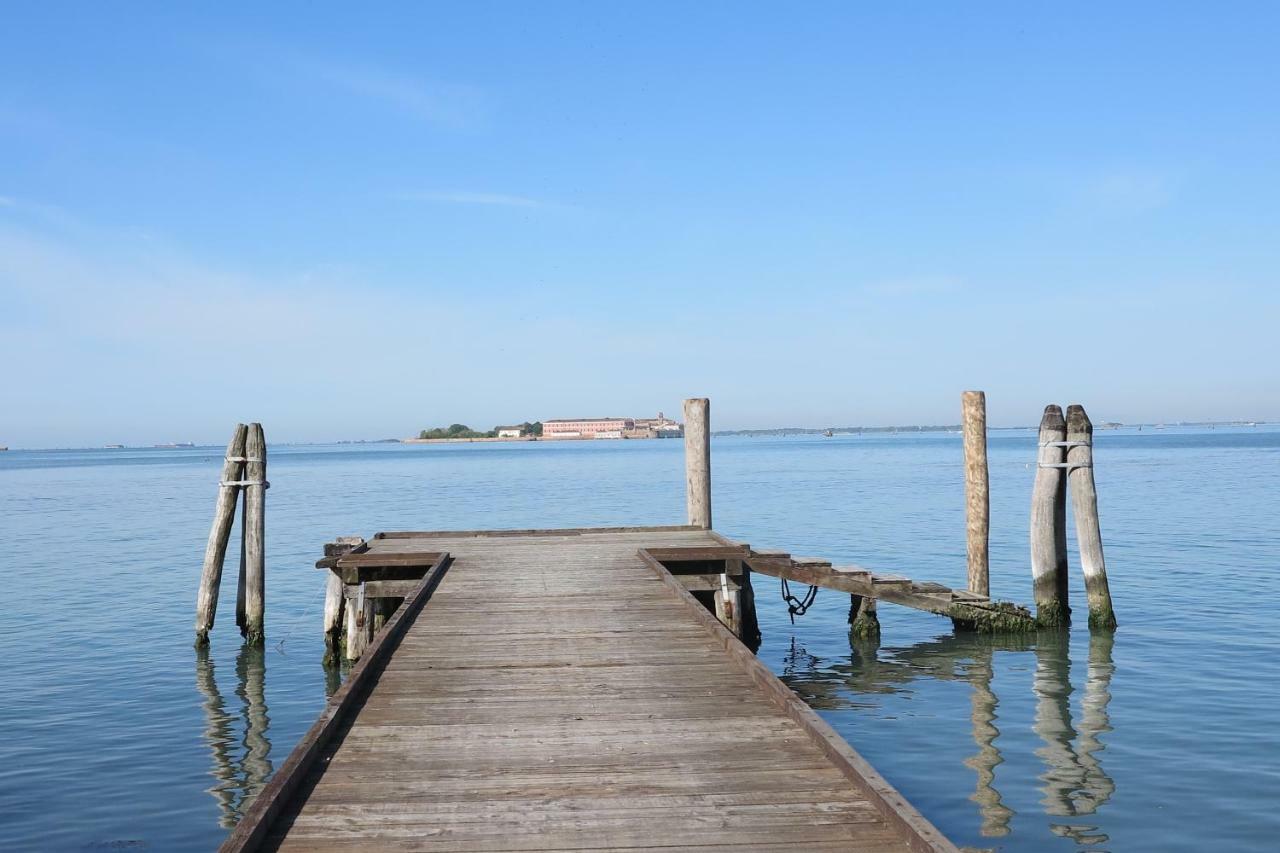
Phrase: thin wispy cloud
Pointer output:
(468, 197)
(448, 104)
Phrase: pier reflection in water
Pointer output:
(239, 749)
(1072, 782)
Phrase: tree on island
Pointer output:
(456, 431)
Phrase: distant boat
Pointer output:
(3, 448)
(114, 447)
(828, 433)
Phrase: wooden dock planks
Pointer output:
(557, 692)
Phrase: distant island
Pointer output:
(461, 431)
(559, 429)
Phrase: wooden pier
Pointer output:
(597, 688)
(567, 690)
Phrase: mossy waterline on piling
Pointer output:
(864, 623)
(866, 626)
(1054, 614)
(1102, 619)
(1002, 617)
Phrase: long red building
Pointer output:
(587, 427)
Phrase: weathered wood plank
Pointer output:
(252, 829)
(557, 693)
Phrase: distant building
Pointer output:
(659, 427)
(509, 432)
(587, 427)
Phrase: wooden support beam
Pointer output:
(977, 490)
(215, 551)
(975, 610)
(380, 589)
(697, 460)
(1084, 504)
(704, 582)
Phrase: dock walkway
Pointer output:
(555, 690)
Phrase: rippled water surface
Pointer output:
(1165, 736)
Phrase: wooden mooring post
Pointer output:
(244, 470)
(697, 460)
(1049, 523)
(1084, 505)
(977, 490)
(255, 492)
(215, 551)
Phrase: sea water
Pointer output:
(118, 734)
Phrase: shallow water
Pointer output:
(117, 733)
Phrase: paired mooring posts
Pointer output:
(244, 471)
(1065, 458)
(1066, 461)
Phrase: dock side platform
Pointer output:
(561, 690)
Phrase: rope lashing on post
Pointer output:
(1068, 465)
(795, 606)
(243, 483)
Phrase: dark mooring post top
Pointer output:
(1078, 421)
(1053, 418)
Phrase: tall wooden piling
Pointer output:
(697, 460)
(1048, 523)
(215, 551)
(977, 490)
(1084, 505)
(255, 488)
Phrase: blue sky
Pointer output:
(352, 223)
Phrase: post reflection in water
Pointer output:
(241, 768)
(218, 735)
(995, 814)
(1073, 783)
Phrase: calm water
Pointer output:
(1164, 737)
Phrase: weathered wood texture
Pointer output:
(558, 692)
(977, 490)
(251, 832)
(255, 591)
(215, 551)
(1049, 523)
(697, 460)
(1084, 506)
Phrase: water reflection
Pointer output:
(1073, 783)
(241, 767)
